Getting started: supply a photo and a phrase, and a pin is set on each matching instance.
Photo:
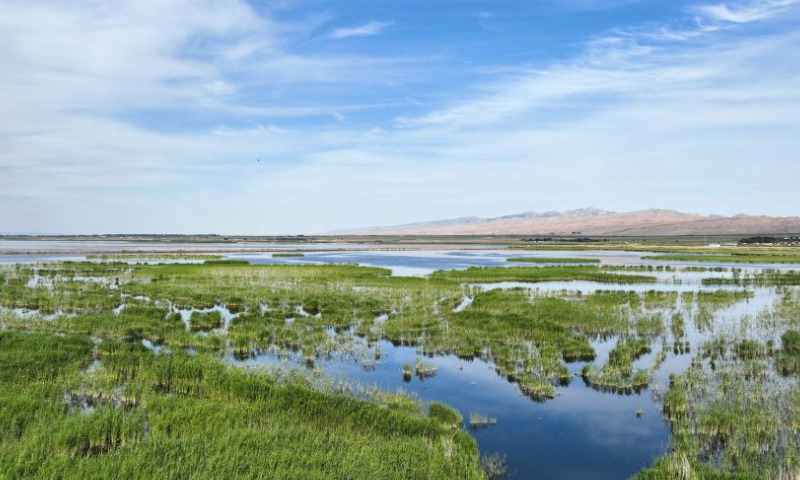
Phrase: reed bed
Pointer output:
(189, 416)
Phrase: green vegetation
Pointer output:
(705, 269)
(730, 422)
(424, 369)
(526, 274)
(205, 321)
(618, 375)
(287, 255)
(732, 415)
(292, 307)
(447, 415)
(478, 421)
(764, 239)
(501, 325)
(137, 413)
(640, 268)
(552, 260)
(493, 466)
(153, 256)
(82, 397)
(790, 342)
(762, 278)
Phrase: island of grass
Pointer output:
(288, 255)
(153, 256)
(536, 274)
(551, 260)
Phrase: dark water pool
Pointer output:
(583, 434)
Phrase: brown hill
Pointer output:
(593, 221)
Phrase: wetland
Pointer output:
(424, 363)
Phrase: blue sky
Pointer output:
(305, 116)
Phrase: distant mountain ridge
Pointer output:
(595, 221)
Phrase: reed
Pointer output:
(478, 421)
(138, 412)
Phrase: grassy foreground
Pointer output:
(82, 397)
(144, 416)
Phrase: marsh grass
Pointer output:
(220, 421)
(535, 274)
(551, 260)
(205, 321)
(479, 421)
(763, 278)
(143, 407)
(424, 369)
(494, 466)
(618, 375)
(735, 413)
(153, 256)
(315, 309)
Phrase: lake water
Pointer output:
(581, 434)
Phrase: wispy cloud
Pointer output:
(627, 65)
(746, 12)
(365, 30)
(671, 115)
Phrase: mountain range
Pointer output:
(595, 221)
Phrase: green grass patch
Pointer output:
(153, 256)
(180, 416)
(543, 274)
(551, 260)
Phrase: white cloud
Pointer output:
(668, 116)
(365, 30)
(746, 12)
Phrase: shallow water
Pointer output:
(186, 316)
(600, 429)
(419, 263)
(582, 434)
